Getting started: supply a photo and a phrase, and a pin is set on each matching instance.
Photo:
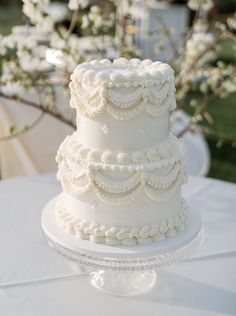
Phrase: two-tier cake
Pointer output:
(122, 170)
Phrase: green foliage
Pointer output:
(223, 156)
(9, 16)
(227, 6)
(223, 164)
(226, 51)
(223, 161)
(223, 112)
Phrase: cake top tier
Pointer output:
(123, 73)
(124, 88)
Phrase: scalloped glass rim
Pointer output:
(135, 264)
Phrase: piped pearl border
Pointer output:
(123, 72)
(165, 153)
(120, 235)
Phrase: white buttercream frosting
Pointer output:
(120, 235)
(124, 88)
(122, 170)
(164, 153)
(103, 176)
(136, 72)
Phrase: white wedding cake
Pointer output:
(122, 170)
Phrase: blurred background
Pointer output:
(41, 41)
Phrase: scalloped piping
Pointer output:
(92, 88)
(157, 187)
(125, 107)
(120, 235)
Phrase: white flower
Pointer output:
(198, 49)
(97, 20)
(3, 49)
(74, 5)
(8, 42)
(38, 14)
(229, 86)
(57, 42)
(95, 9)
(39, 1)
(201, 26)
(232, 22)
(57, 11)
(85, 21)
(32, 57)
(46, 24)
(204, 87)
(204, 5)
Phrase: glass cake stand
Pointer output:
(120, 270)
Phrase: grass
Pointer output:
(223, 164)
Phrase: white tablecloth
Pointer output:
(35, 280)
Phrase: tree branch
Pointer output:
(72, 23)
(45, 110)
(184, 130)
(28, 128)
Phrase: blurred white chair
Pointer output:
(151, 16)
(196, 147)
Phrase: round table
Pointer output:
(35, 280)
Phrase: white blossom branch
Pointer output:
(43, 109)
(16, 132)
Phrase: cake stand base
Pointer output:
(123, 283)
(121, 270)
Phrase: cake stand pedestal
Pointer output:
(120, 270)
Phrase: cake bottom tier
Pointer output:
(139, 222)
